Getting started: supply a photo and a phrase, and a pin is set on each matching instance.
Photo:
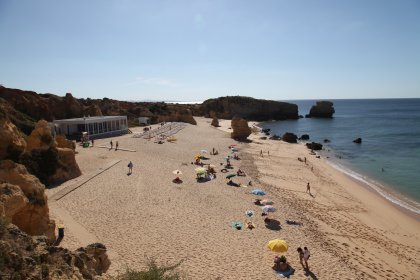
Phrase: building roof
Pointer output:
(91, 119)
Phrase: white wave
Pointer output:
(377, 187)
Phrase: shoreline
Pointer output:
(389, 193)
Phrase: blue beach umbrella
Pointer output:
(258, 192)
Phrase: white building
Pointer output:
(143, 121)
(96, 127)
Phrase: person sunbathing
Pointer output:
(240, 173)
(177, 180)
(250, 225)
(257, 202)
(292, 222)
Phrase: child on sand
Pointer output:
(130, 167)
(308, 188)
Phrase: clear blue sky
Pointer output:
(193, 50)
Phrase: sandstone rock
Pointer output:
(314, 146)
(68, 168)
(62, 142)
(215, 122)
(304, 137)
(35, 258)
(12, 143)
(40, 138)
(289, 137)
(32, 214)
(247, 107)
(322, 109)
(93, 110)
(240, 129)
(357, 141)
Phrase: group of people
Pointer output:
(112, 145)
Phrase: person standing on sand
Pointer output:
(306, 255)
(301, 254)
(304, 159)
(261, 153)
(116, 145)
(308, 188)
(111, 144)
(92, 142)
(130, 167)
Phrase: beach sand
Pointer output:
(352, 232)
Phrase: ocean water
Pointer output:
(388, 160)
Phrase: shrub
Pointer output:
(153, 272)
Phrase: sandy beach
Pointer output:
(352, 232)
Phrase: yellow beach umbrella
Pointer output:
(200, 170)
(278, 245)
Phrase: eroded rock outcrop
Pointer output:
(357, 140)
(240, 128)
(248, 108)
(63, 142)
(24, 201)
(12, 143)
(215, 122)
(322, 109)
(35, 258)
(41, 147)
(40, 137)
(289, 137)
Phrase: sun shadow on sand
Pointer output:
(310, 274)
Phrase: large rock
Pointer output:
(63, 142)
(215, 122)
(40, 137)
(68, 167)
(322, 109)
(358, 141)
(240, 128)
(93, 110)
(183, 115)
(248, 108)
(289, 137)
(35, 258)
(304, 137)
(27, 206)
(314, 146)
(12, 143)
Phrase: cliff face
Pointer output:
(26, 257)
(23, 200)
(248, 108)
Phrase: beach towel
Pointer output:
(237, 224)
(286, 273)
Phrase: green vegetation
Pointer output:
(153, 272)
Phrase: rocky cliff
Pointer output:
(23, 200)
(248, 108)
(322, 109)
(34, 258)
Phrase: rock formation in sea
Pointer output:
(240, 128)
(322, 109)
(248, 108)
(289, 137)
(304, 137)
(27, 257)
(358, 141)
(314, 146)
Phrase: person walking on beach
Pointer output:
(116, 145)
(130, 167)
(306, 255)
(301, 255)
(308, 188)
(111, 144)
(92, 142)
(304, 159)
(261, 153)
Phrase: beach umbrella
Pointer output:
(278, 245)
(177, 172)
(268, 208)
(249, 213)
(200, 170)
(230, 176)
(266, 202)
(258, 192)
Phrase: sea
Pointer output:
(388, 159)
